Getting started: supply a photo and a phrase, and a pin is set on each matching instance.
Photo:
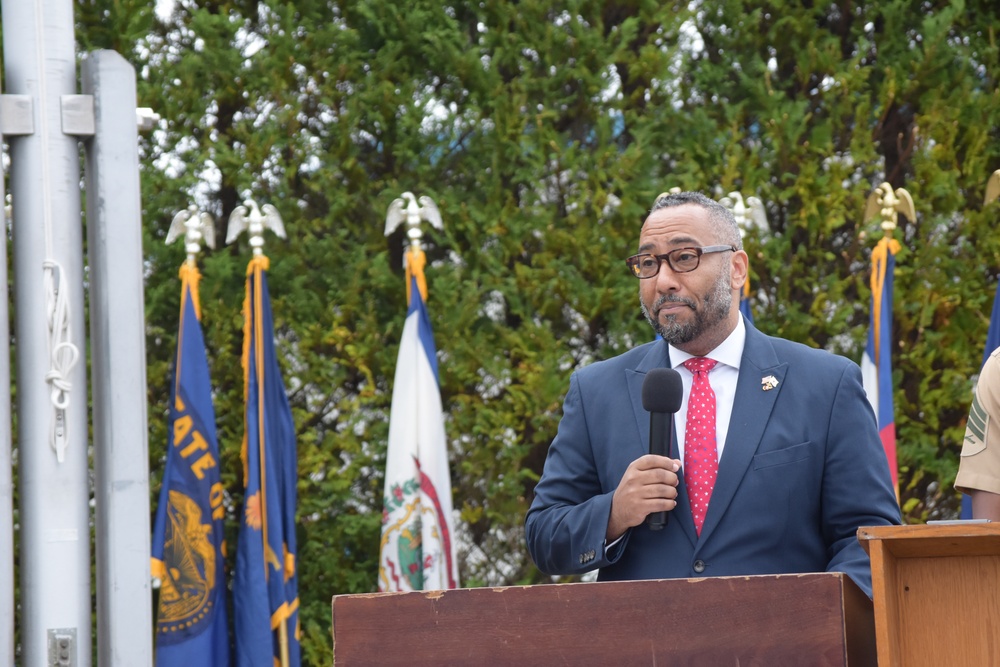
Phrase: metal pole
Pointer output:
(40, 63)
(6, 462)
(118, 366)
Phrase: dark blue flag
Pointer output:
(188, 547)
(265, 586)
(993, 334)
(992, 343)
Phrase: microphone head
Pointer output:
(662, 390)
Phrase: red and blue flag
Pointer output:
(876, 363)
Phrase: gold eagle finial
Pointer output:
(886, 203)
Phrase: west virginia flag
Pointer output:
(417, 551)
(188, 547)
(265, 585)
(876, 364)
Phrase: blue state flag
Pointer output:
(265, 584)
(992, 343)
(188, 545)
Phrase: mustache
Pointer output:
(673, 298)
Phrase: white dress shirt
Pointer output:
(723, 379)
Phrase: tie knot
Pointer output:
(700, 364)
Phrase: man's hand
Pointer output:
(648, 485)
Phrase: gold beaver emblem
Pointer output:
(190, 558)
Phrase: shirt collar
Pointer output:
(728, 352)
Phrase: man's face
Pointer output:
(694, 311)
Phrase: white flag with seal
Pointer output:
(417, 550)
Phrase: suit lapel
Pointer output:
(658, 357)
(760, 381)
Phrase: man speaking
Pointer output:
(775, 458)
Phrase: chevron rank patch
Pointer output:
(977, 426)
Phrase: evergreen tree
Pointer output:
(544, 133)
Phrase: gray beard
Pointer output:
(715, 308)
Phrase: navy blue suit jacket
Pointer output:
(802, 469)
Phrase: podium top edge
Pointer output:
(924, 531)
(711, 581)
(933, 541)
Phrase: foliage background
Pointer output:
(544, 132)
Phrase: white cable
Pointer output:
(63, 354)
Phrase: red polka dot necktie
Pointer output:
(701, 460)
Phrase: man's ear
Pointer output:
(740, 263)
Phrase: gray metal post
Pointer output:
(118, 366)
(6, 462)
(40, 63)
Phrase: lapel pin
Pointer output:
(768, 383)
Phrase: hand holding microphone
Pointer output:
(662, 392)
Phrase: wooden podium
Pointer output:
(937, 593)
(808, 619)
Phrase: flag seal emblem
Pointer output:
(186, 591)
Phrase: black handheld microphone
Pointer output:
(662, 392)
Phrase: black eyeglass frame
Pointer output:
(633, 261)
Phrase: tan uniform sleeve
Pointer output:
(979, 466)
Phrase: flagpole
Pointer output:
(118, 360)
(6, 465)
(283, 641)
(52, 433)
(257, 242)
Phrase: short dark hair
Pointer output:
(721, 217)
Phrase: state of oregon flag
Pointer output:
(188, 545)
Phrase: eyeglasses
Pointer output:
(680, 260)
